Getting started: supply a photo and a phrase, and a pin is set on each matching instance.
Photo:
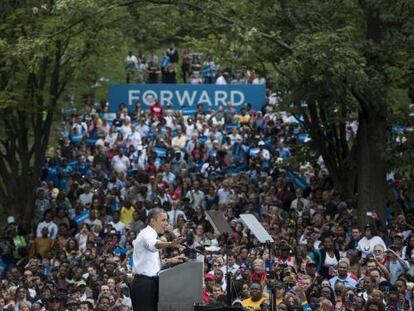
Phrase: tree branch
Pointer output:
(288, 14)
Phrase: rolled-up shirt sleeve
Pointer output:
(149, 243)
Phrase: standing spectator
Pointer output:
(120, 162)
(343, 277)
(257, 297)
(185, 65)
(42, 245)
(172, 53)
(367, 243)
(49, 224)
(131, 63)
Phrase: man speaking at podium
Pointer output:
(147, 261)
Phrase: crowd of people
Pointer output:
(101, 180)
(186, 67)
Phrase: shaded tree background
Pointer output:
(335, 60)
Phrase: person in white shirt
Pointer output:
(117, 224)
(179, 140)
(195, 195)
(221, 80)
(367, 243)
(86, 197)
(174, 213)
(120, 163)
(224, 193)
(49, 224)
(299, 197)
(134, 139)
(131, 60)
(147, 262)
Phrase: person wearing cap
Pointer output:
(177, 164)
(15, 238)
(209, 281)
(54, 304)
(72, 304)
(284, 258)
(147, 263)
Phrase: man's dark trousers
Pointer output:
(144, 293)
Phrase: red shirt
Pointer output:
(258, 277)
(206, 296)
(156, 110)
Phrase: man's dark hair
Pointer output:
(88, 303)
(154, 213)
(255, 282)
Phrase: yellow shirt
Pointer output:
(125, 215)
(243, 119)
(254, 305)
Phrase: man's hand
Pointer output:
(177, 259)
(176, 243)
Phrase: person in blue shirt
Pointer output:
(238, 154)
(343, 269)
(165, 63)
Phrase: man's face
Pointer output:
(54, 304)
(196, 185)
(356, 234)
(217, 291)
(311, 269)
(105, 290)
(379, 252)
(219, 274)
(48, 217)
(159, 223)
(368, 284)
(104, 304)
(343, 270)
(255, 292)
(398, 241)
(115, 217)
(84, 307)
(306, 283)
(376, 275)
(209, 284)
(371, 265)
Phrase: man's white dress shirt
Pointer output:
(146, 256)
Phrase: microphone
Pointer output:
(191, 249)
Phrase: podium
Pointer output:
(181, 286)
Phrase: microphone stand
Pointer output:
(193, 249)
(228, 276)
(270, 289)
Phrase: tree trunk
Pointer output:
(372, 168)
(345, 181)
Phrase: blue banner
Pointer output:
(185, 96)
